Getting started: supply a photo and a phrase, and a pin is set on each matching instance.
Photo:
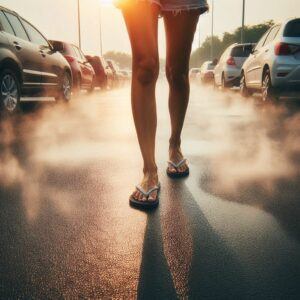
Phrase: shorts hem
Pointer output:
(180, 8)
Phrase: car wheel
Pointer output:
(65, 93)
(243, 87)
(10, 92)
(92, 87)
(268, 91)
(224, 84)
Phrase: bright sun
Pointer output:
(106, 1)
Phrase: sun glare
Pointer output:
(106, 2)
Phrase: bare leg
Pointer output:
(142, 22)
(180, 30)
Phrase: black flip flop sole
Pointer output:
(143, 204)
(184, 174)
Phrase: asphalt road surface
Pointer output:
(229, 231)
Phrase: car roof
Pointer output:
(8, 10)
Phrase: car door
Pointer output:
(220, 66)
(50, 69)
(87, 68)
(84, 79)
(263, 55)
(27, 53)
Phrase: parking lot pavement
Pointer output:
(229, 231)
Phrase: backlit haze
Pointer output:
(57, 19)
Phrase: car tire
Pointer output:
(244, 91)
(65, 91)
(92, 87)
(224, 85)
(10, 92)
(268, 91)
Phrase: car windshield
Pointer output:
(241, 51)
(292, 29)
(210, 67)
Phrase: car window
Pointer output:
(292, 29)
(34, 35)
(77, 53)
(5, 24)
(241, 51)
(261, 41)
(210, 67)
(82, 55)
(17, 26)
(272, 35)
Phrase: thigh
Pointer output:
(141, 20)
(180, 29)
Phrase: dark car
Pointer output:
(103, 74)
(83, 72)
(31, 69)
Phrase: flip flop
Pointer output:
(145, 204)
(178, 174)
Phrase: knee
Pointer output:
(146, 70)
(177, 77)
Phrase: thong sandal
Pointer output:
(178, 174)
(146, 203)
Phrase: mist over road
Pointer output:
(229, 231)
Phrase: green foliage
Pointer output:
(251, 35)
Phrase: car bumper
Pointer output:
(233, 76)
(286, 75)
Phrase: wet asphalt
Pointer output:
(229, 231)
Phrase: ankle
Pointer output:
(174, 143)
(150, 171)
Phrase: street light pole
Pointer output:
(79, 26)
(100, 21)
(212, 31)
(243, 23)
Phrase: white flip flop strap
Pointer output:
(140, 189)
(176, 166)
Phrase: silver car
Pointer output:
(274, 65)
(228, 70)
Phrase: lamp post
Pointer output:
(79, 26)
(100, 27)
(212, 31)
(243, 23)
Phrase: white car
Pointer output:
(206, 74)
(228, 70)
(193, 73)
(274, 65)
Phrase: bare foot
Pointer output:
(149, 181)
(175, 156)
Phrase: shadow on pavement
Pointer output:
(215, 273)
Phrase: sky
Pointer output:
(57, 19)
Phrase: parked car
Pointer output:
(193, 73)
(274, 65)
(126, 74)
(31, 69)
(118, 77)
(206, 74)
(83, 72)
(228, 70)
(103, 74)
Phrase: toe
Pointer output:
(172, 169)
(153, 196)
